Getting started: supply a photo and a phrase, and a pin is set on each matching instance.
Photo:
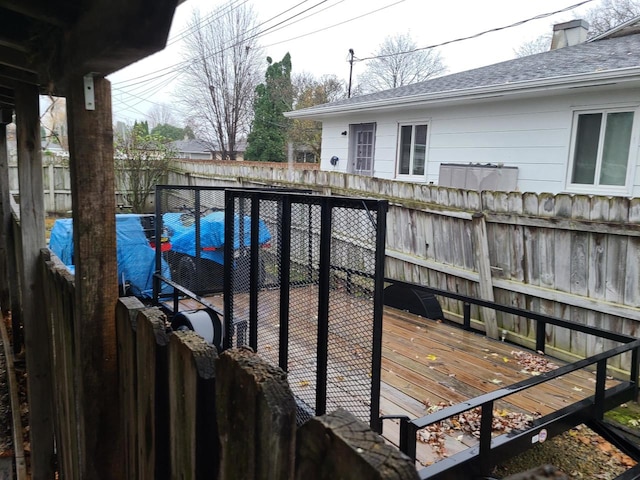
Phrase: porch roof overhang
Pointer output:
(620, 78)
(46, 42)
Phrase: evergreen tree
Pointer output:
(170, 132)
(268, 137)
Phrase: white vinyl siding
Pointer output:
(534, 135)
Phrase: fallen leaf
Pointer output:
(431, 357)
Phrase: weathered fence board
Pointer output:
(126, 326)
(338, 445)
(574, 256)
(257, 429)
(193, 428)
(152, 395)
(60, 300)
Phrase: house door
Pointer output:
(363, 137)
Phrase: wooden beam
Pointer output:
(11, 76)
(93, 193)
(52, 13)
(115, 33)
(36, 333)
(15, 58)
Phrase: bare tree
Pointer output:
(609, 14)
(54, 122)
(161, 114)
(398, 62)
(142, 160)
(223, 68)
(537, 45)
(306, 135)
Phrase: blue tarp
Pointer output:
(211, 235)
(136, 258)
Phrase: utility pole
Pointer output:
(350, 71)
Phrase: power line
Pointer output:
(182, 65)
(497, 29)
(175, 69)
(208, 19)
(337, 24)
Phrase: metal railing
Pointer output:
(479, 459)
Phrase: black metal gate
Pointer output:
(302, 277)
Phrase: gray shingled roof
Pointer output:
(587, 58)
(190, 146)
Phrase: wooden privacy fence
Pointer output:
(576, 257)
(190, 413)
(57, 179)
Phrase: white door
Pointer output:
(361, 158)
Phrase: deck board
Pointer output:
(424, 362)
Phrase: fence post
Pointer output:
(338, 445)
(152, 395)
(194, 444)
(256, 418)
(52, 187)
(483, 263)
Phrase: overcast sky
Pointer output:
(319, 40)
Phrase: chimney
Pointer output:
(569, 33)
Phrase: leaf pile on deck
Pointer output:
(468, 423)
(532, 363)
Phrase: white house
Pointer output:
(566, 120)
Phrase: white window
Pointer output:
(412, 149)
(601, 149)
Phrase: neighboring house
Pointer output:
(195, 149)
(566, 120)
(192, 149)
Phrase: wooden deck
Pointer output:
(424, 363)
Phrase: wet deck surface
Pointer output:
(424, 363)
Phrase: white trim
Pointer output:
(410, 176)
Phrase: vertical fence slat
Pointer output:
(484, 269)
(338, 445)
(256, 418)
(193, 430)
(126, 326)
(152, 396)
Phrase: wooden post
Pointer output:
(93, 194)
(36, 334)
(192, 415)
(338, 445)
(256, 418)
(483, 263)
(6, 252)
